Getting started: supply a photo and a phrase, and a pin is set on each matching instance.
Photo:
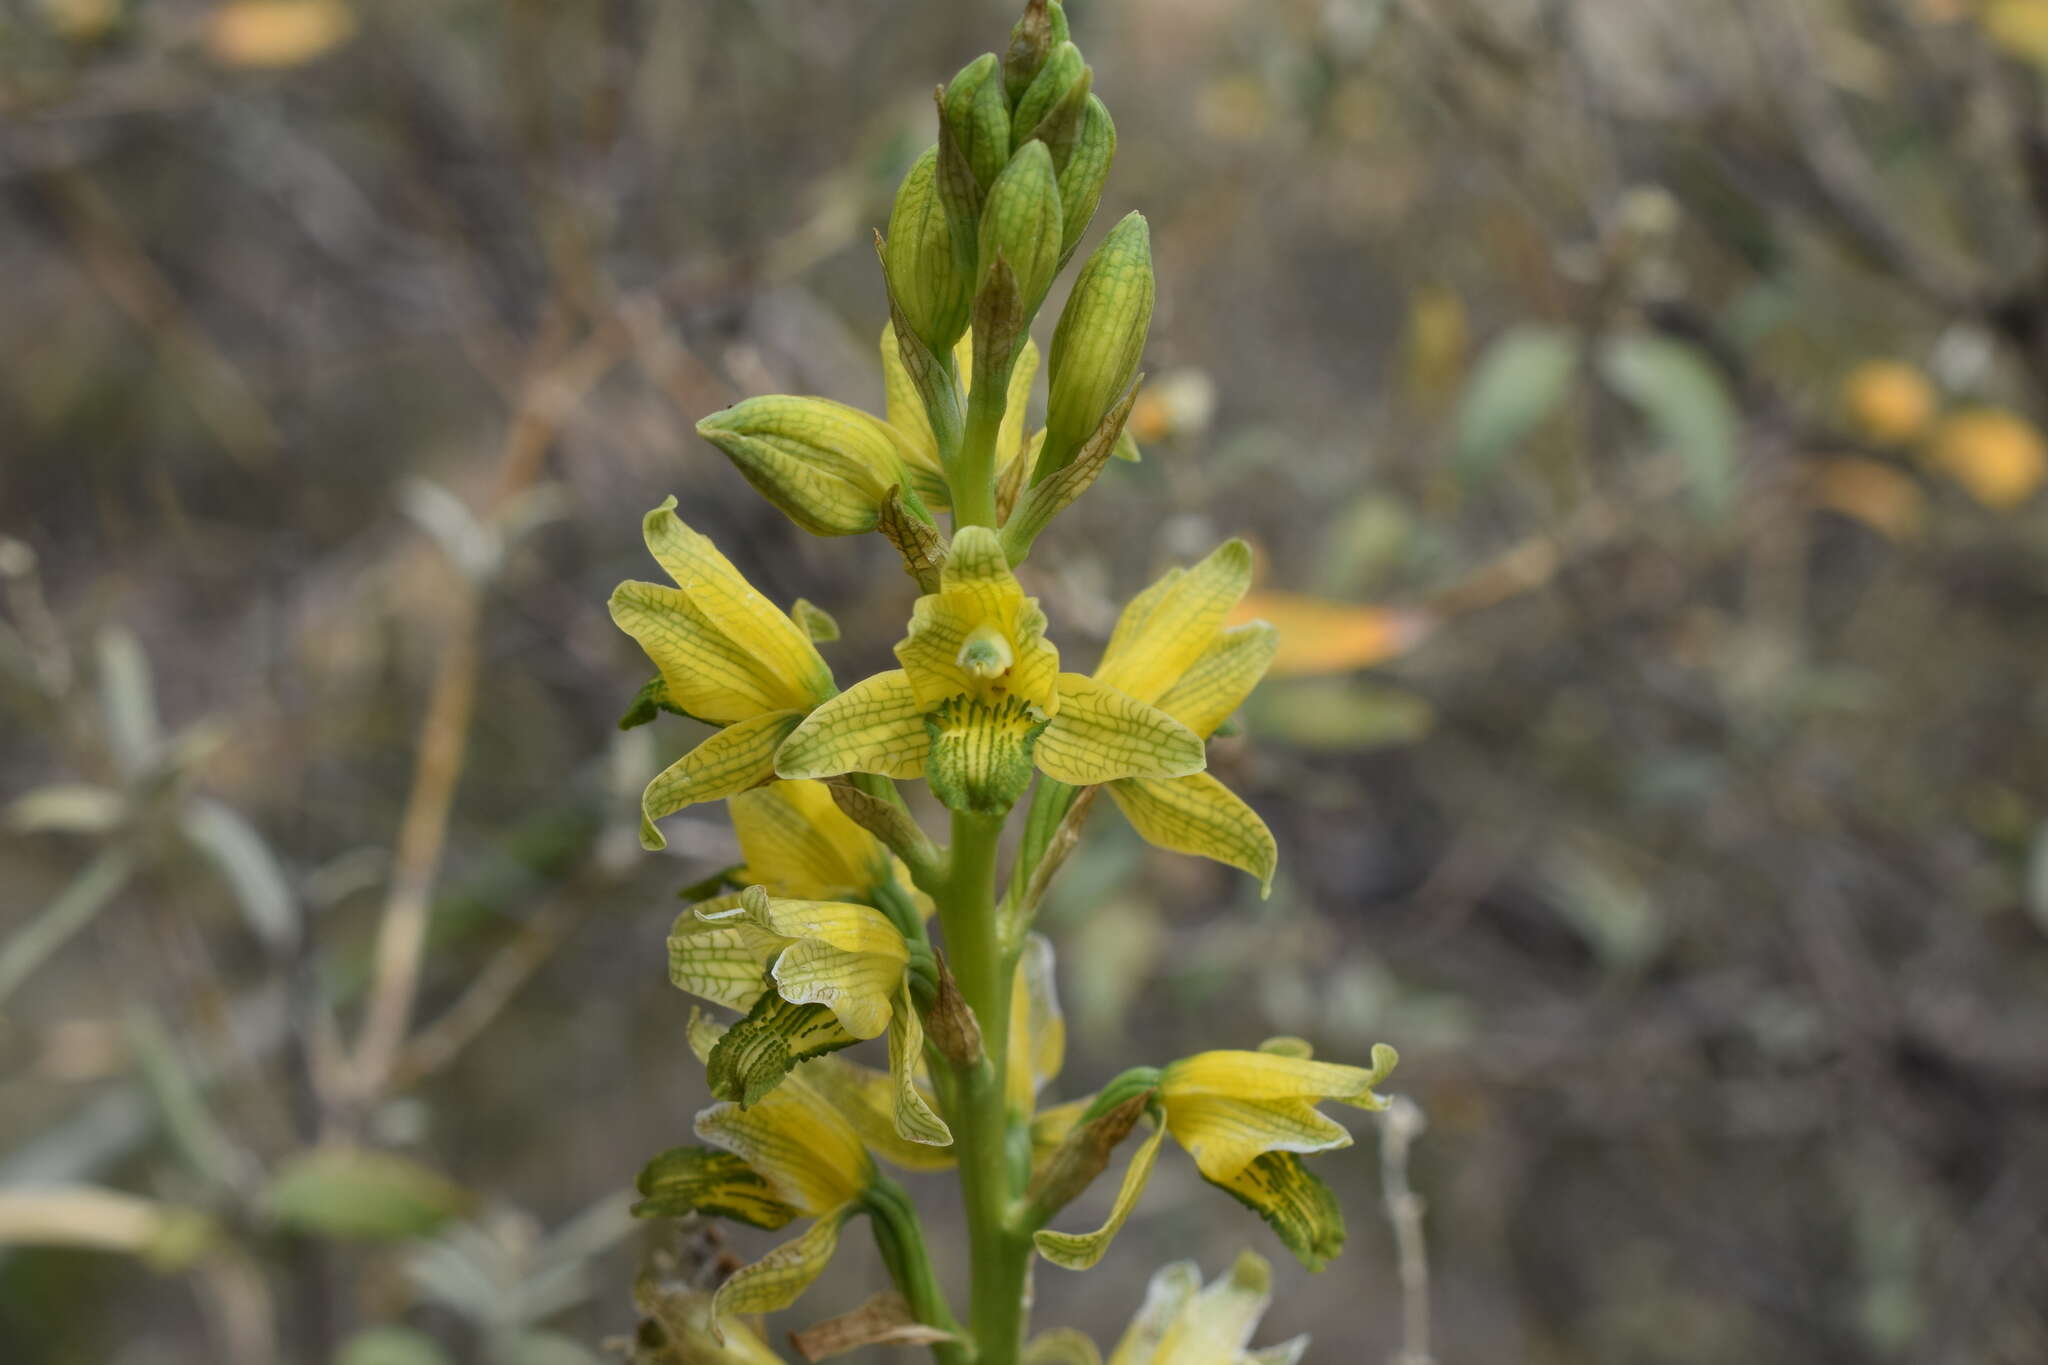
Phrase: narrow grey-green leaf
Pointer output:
(1687, 406)
(1520, 380)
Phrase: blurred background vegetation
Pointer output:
(1633, 402)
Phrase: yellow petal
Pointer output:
(1873, 493)
(1219, 681)
(1080, 1250)
(800, 1144)
(1295, 1203)
(1173, 1287)
(916, 1120)
(1271, 1076)
(856, 987)
(875, 726)
(1060, 1346)
(1038, 1031)
(703, 1339)
(842, 926)
(1215, 1326)
(978, 598)
(904, 407)
(1318, 637)
(716, 963)
(702, 670)
(276, 33)
(1200, 816)
(729, 602)
(797, 842)
(778, 1279)
(706, 1180)
(1100, 735)
(1172, 628)
(1997, 456)
(736, 758)
(1225, 1135)
(868, 1100)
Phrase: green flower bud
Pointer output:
(1054, 81)
(827, 466)
(1023, 220)
(978, 118)
(1101, 334)
(926, 280)
(1084, 174)
(1042, 28)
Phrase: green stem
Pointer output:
(999, 1253)
(973, 474)
(900, 1239)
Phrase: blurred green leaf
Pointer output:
(73, 909)
(389, 1345)
(69, 808)
(1519, 380)
(544, 1348)
(128, 700)
(248, 865)
(1687, 406)
(1333, 713)
(1605, 902)
(357, 1193)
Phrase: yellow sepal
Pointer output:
(779, 1278)
(1080, 1250)
(797, 842)
(1101, 735)
(804, 1148)
(915, 1119)
(1200, 816)
(1218, 682)
(875, 726)
(1166, 628)
(737, 758)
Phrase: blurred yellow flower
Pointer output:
(277, 33)
(1888, 401)
(1997, 456)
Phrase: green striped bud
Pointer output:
(1042, 28)
(1053, 83)
(1095, 347)
(1022, 220)
(927, 281)
(977, 118)
(1083, 175)
(827, 466)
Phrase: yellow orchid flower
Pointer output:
(1170, 648)
(1183, 1323)
(799, 844)
(811, 977)
(980, 699)
(789, 1155)
(727, 656)
(1247, 1118)
(913, 426)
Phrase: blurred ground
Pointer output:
(1691, 853)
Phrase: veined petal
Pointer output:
(904, 407)
(797, 842)
(1200, 816)
(808, 1153)
(1222, 678)
(1038, 1031)
(1148, 653)
(1224, 1135)
(875, 726)
(1273, 1076)
(779, 1279)
(731, 605)
(915, 1119)
(740, 756)
(905, 411)
(839, 925)
(979, 600)
(856, 987)
(751, 1059)
(1295, 1203)
(703, 671)
(980, 754)
(715, 963)
(718, 1184)
(868, 1100)
(1101, 734)
(1080, 1250)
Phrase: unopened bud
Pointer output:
(826, 465)
(1100, 336)
(1023, 222)
(1042, 28)
(1084, 173)
(977, 118)
(1054, 82)
(926, 279)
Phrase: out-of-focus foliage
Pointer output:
(1694, 857)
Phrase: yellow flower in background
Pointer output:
(811, 977)
(980, 700)
(727, 656)
(1888, 401)
(1170, 648)
(907, 415)
(789, 1155)
(1183, 1323)
(1038, 1030)
(1997, 456)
